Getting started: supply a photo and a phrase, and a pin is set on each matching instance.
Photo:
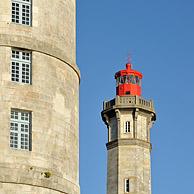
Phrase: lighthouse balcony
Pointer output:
(128, 102)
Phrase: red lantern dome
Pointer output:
(128, 82)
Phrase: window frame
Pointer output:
(21, 69)
(22, 12)
(22, 131)
(127, 185)
(127, 126)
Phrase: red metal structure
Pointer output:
(128, 82)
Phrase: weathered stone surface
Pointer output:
(53, 99)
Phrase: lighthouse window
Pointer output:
(137, 80)
(21, 66)
(127, 186)
(127, 127)
(132, 79)
(21, 12)
(20, 130)
(122, 80)
(117, 81)
(127, 79)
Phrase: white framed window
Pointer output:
(20, 130)
(127, 185)
(22, 11)
(127, 127)
(21, 66)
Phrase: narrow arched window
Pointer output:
(127, 127)
(127, 186)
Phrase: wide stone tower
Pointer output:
(129, 118)
(39, 97)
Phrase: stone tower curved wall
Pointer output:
(51, 165)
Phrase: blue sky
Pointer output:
(159, 36)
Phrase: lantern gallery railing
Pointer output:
(126, 101)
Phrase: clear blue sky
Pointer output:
(159, 35)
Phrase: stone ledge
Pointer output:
(129, 101)
(124, 142)
(31, 43)
(32, 186)
(35, 177)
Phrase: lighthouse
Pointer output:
(129, 118)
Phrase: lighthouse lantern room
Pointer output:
(128, 82)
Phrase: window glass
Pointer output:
(21, 12)
(20, 130)
(21, 66)
(117, 81)
(122, 80)
(132, 79)
(127, 127)
(128, 79)
(125, 79)
(137, 80)
(127, 186)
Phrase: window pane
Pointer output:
(20, 129)
(137, 80)
(128, 79)
(132, 79)
(122, 80)
(127, 186)
(24, 141)
(15, 71)
(125, 79)
(21, 11)
(14, 126)
(25, 14)
(14, 115)
(127, 127)
(117, 81)
(15, 54)
(25, 73)
(15, 12)
(13, 140)
(21, 66)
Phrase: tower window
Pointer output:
(21, 66)
(20, 130)
(127, 186)
(127, 127)
(21, 12)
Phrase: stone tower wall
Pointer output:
(112, 171)
(131, 162)
(134, 163)
(52, 98)
(129, 157)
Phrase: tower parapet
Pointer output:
(129, 101)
